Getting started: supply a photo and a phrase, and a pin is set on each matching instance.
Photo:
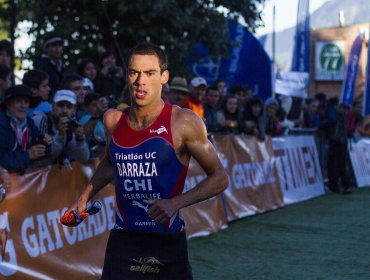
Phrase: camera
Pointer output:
(3, 191)
(73, 123)
(39, 140)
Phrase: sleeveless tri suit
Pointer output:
(146, 167)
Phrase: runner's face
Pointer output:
(145, 79)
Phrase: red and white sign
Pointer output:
(360, 157)
(298, 168)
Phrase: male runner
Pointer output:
(148, 151)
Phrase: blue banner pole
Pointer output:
(301, 51)
(349, 82)
(366, 102)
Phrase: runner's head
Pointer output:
(146, 74)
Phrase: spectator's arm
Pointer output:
(56, 149)
(11, 160)
(78, 150)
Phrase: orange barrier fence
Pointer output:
(262, 176)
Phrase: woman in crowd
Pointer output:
(87, 69)
(111, 80)
(253, 118)
(228, 117)
(271, 121)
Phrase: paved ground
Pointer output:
(323, 238)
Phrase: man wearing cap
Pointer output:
(198, 87)
(178, 91)
(62, 125)
(74, 82)
(19, 147)
(51, 60)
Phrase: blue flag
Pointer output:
(348, 87)
(366, 101)
(246, 64)
(301, 52)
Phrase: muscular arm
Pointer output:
(195, 144)
(104, 173)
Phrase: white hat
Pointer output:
(86, 82)
(197, 81)
(65, 95)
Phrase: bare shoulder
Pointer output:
(188, 124)
(111, 118)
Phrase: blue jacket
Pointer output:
(12, 157)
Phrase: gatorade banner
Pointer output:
(252, 186)
(298, 168)
(349, 82)
(204, 217)
(262, 176)
(360, 158)
(38, 246)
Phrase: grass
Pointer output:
(324, 238)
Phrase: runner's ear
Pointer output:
(165, 77)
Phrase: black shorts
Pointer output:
(141, 255)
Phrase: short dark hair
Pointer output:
(147, 48)
(215, 83)
(256, 101)
(105, 55)
(213, 87)
(81, 66)
(69, 78)
(236, 88)
(321, 97)
(4, 71)
(34, 78)
(333, 101)
(5, 45)
(90, 98)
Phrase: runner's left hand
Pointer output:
(161, 210)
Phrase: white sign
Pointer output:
(360, 157)
(329, 61)
(292, 84)
(298, 168)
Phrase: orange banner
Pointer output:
(38, 246)
(204, 217)
(253, 186)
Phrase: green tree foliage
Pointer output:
(119, 24)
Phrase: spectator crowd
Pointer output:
(55, 117)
